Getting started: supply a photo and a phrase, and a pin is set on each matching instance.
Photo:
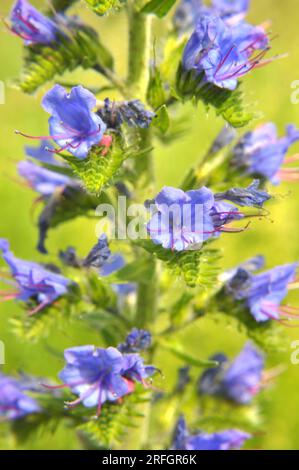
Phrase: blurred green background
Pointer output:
(276, 237)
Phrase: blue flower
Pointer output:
(189, 12)
(182, 221)
(42, 180)
(73, 124)
(224, 440)
(263, 293)
(261, 152)
(137, 340)
(98, 375)
(220, 55)
(251, 196)
(43, 153)
(94, 374)
(31, 25)
(14, 402)
(239, 380)
(242, 379)
(133, 113)
(32, 282)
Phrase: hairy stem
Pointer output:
(139, 52)
(137, 83)
(147, 298)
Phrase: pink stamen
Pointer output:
(54, 387)
(282, 322)
(222, 62)
(73, 403)
(37, 309)
(289, 170)
(287, 177)
(288, 315)
(4, 298)
(292, 159)
(234, 230)
(5, 292)
(99, 407)
(43, 137)
(271, 374)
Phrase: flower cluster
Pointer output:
(99, 375)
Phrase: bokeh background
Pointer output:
(276, 237)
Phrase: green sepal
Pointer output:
(197, 268)
(226, 103)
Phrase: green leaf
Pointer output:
(43, 63)
(162, 120)
(158, 7)
(226, 103)
(197, 268)
(177, 351)
(100, 7)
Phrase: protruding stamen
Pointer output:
(37, 309)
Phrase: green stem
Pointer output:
(139, 52)
(137, 83)
(147, 298)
